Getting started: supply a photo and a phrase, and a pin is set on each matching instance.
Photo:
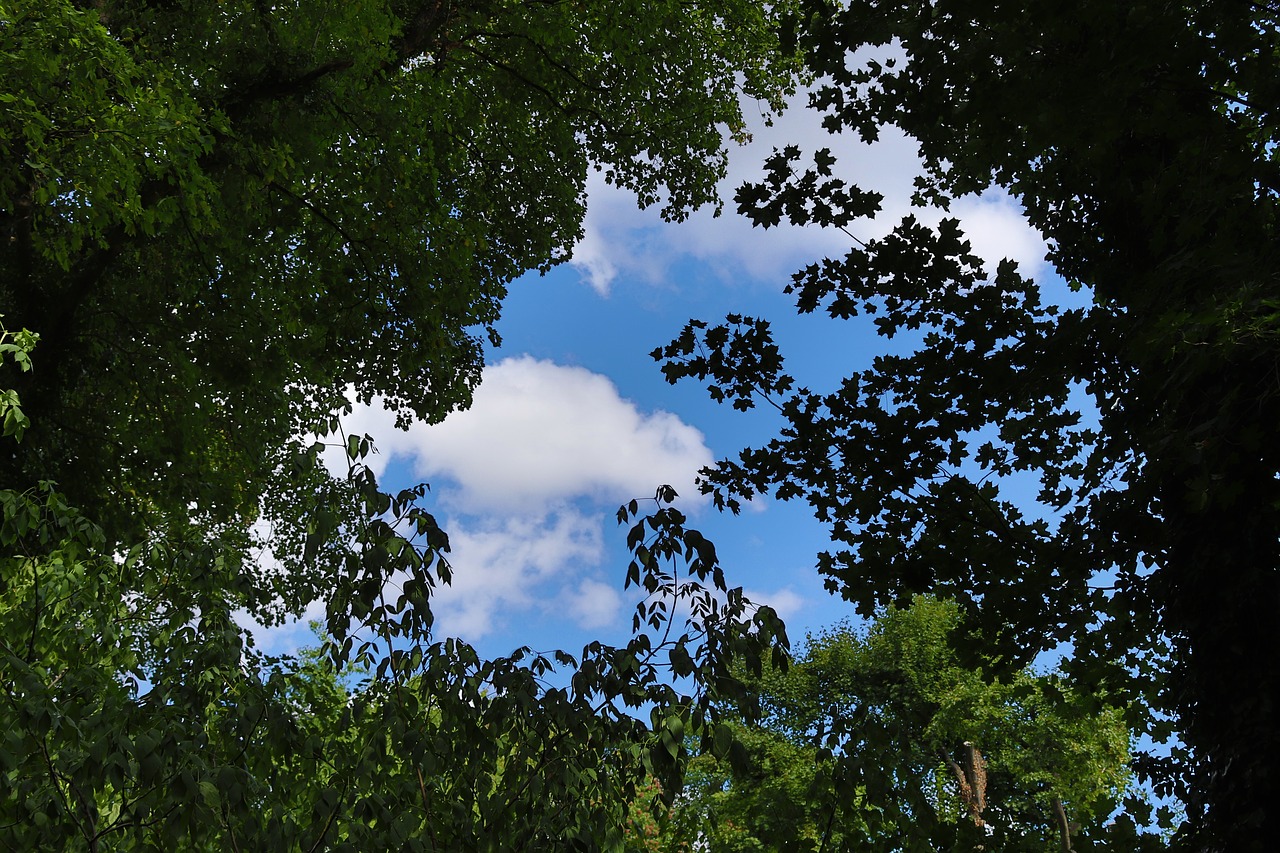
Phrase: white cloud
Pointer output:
(623, 241)
(593, 604)
(504, 568)
(286, 638)
(529, 474)
(295, 632)
(996, 229)
(592, 254)
(786, 602)
(539, 434)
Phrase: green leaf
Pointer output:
(209, 794)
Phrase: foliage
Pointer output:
(438, 749)
(223, 220)
(644, 830)
(16, 346)
(882, 740)
(1140, 139)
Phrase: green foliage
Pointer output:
(1141, 140)
(865, 738)
(133, 726)
(222, 220)
(17, 346)
(220, 217)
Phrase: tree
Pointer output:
(883, 740)
(439, 749)
(1140, 140)
(221, 220)
(222, 216)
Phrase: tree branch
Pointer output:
(972, 778)
(1064, 827)
(278, 89)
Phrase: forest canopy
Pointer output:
(219, 221)
(223, 224)
(881, 739)
(1141, 141)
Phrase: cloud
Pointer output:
(996, 228)
(295, 632)
(508, 571)
(528, 475)
(539, 434)
(621, 241)
(786, 602)
(506, 567)
(592, 604)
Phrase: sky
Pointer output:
(573, 417)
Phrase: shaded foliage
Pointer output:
(1140, 139)
(225, 221)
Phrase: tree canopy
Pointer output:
(219, 222)
(219, 217)
(883, 740)
(1140, 139)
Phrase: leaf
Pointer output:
(209, 794)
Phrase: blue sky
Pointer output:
(574, 418)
